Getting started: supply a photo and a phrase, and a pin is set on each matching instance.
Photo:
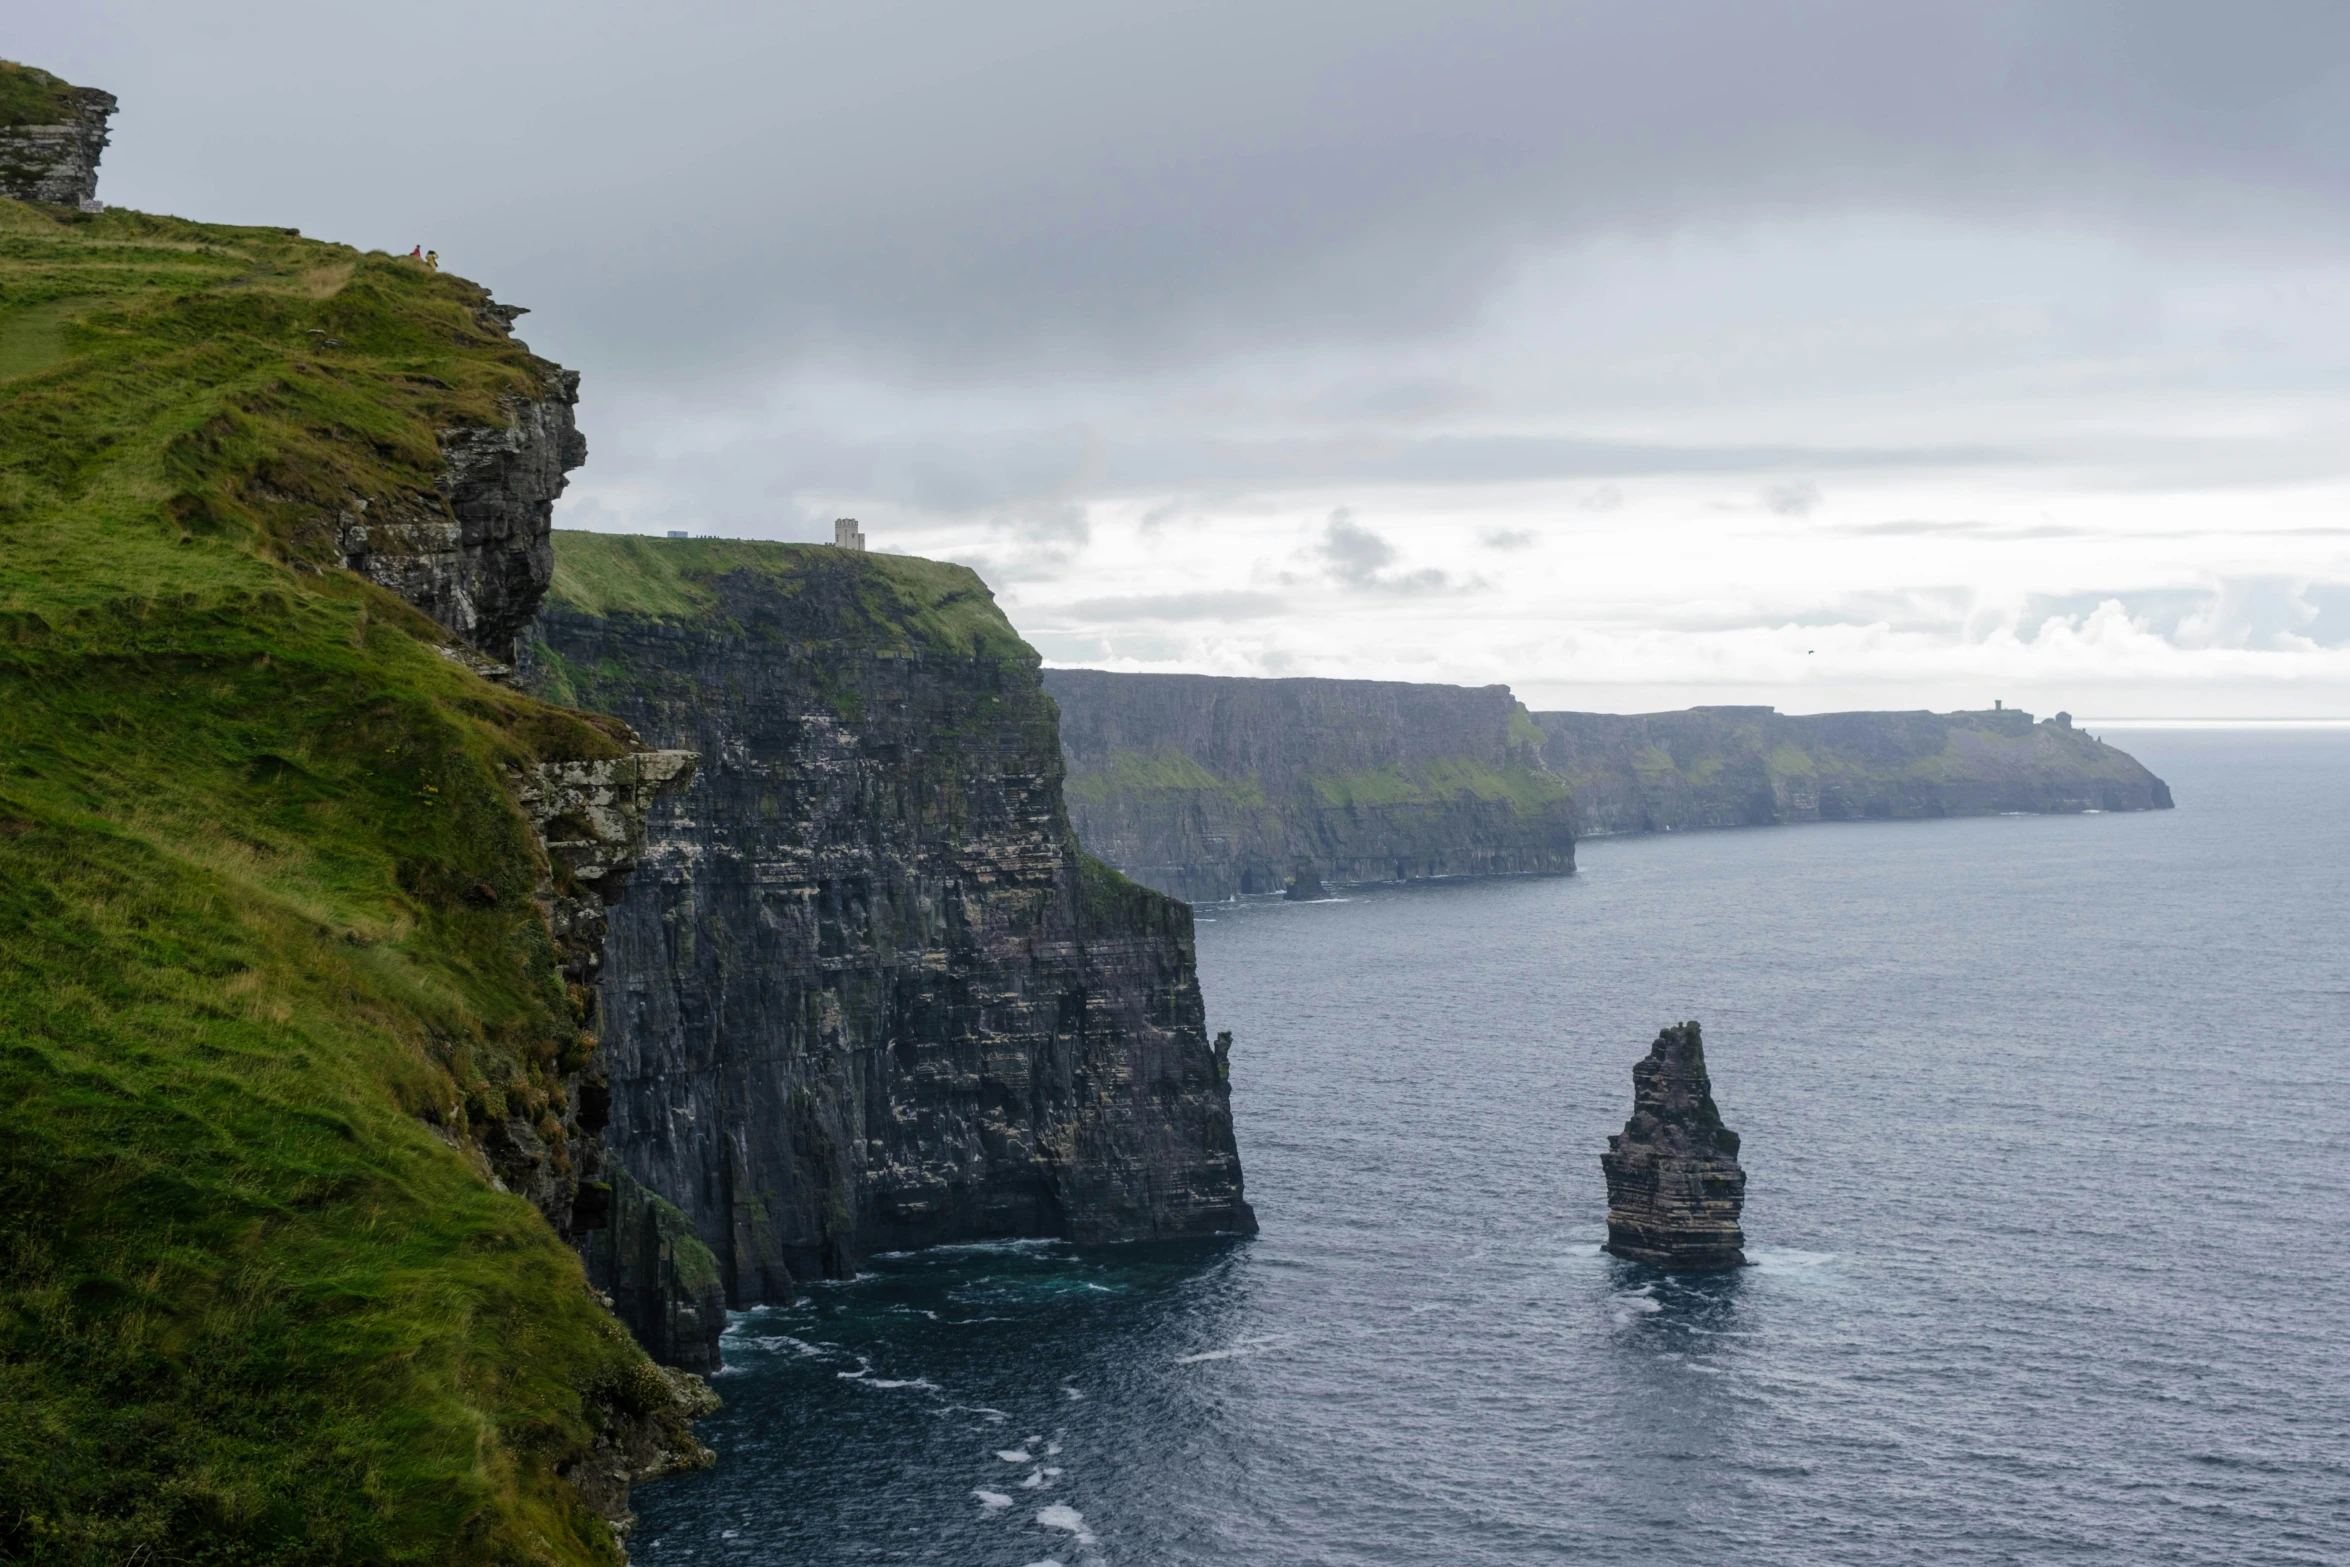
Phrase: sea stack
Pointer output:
(1674, 1187)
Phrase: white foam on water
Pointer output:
(1041, 1243)
(1047, 1562)
(989, 1501)
(921, 1382)
(1052, 1450)
(1035, 1480)
(1016, 1455)
(1071, 1392)
(1787, 1259)
(798, 1346)
(1240, 1351)
(1068, 1519)
(1051, 1473)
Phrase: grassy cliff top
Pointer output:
(31, 96)
(894, 602)
(267, 934)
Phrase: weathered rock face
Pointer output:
(1751, 766)
(51, 142)
(1207, 787)
(476, 556)
(481, 573)
(590, 816)
(866, 994)
(1674, 1186)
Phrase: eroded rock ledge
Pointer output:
(52, 154)
(475, 556)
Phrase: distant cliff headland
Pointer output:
(1752, 767)
(1208, 787)
(1213, 786)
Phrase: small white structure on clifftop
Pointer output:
(846, 534)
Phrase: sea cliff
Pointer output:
(865, 992)
(301, 916)
(1207, 787)
(1752, 766)
(1213, 786)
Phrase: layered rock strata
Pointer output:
(1752, 766)
(481, 571)
(475, 554)
(1674, 1185)
(51, 136)
(590, 817)
(1209, 787)
(866, 994)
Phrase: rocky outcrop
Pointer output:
(1208, 787)
(475, 554)
(647, 1434)
(590, 816)
(51, 136)
(1752, 766)
(1674, 1186)
(661, 1280)
(865, 993)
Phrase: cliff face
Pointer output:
(1207, 787)
(51, 136)
(299, 923)
(865, 993)
(473, 552)
(1750, 766)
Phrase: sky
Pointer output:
(1826, 355)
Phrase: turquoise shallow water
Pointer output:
(2045, 1122)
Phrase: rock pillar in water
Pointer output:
(1674, 1187)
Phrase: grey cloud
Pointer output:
(1506, 538)
(1357, 558)
(1354, 552)
(2259, 612)
(1793, 498)
(986, 186)
(1178, 606)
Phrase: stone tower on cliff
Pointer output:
(51, 136)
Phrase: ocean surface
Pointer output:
(2047, 1129)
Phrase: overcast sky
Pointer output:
(1827, 355)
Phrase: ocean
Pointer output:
(2044, 1122)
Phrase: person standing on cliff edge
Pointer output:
(432, 261)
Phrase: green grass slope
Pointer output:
(901, 603)
(256, 1305)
